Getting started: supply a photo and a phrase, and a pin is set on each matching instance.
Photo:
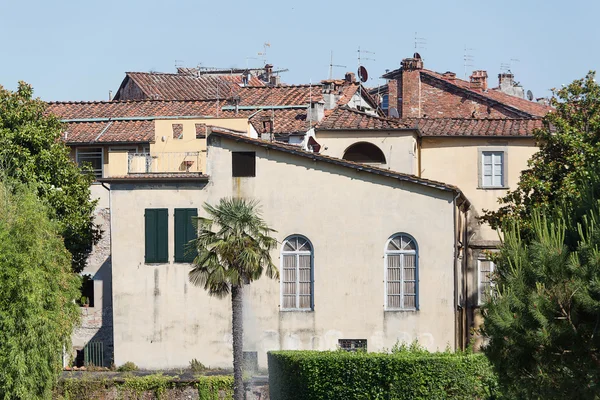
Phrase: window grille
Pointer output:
(401, 274)
(93, 354)
(297, 274)
(92, 156)
(353, 344)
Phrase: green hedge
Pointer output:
(313, 375)
(214, 387)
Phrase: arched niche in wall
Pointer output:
(364, 152)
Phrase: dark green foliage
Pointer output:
(402, 375)
(544, 322)
(569, 151)
(37, 296)
(127, 367)
(31, 152)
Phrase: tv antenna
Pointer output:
(331, 65)
(263, 53)
(362, 71)
(420, 42)
(178, 63)
(468, 59)
(250, 58)
(507, 67)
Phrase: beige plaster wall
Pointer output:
(456, 161)
(161, 321)
(399, 148)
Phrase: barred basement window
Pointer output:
(297, 274)
(353, 344)
(401, 273)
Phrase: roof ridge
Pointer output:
(285, 86)
(132, 101)
(347, 108)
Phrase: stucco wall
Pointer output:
(399, 148)
(161, 321)
(456, 161)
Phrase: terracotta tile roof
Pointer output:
(285, 121)
(237, 79)
(345, 118)
(180, 86)
(337, 161)
(132, 108)
(109, 132)
(531, 108)
(285, 95)
(474, 127)
(154, 177)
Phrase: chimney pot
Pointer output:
(412, 64)
(479, 80)
(449, 75)
(350, 77)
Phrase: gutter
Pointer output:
(109, 119)
(233, 108)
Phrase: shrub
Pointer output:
(215, 387)
(402, 375)
(197, 367)
(128, 366)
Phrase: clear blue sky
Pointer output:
(79, 50)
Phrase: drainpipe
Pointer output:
(457, 340)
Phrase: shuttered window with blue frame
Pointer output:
(157, 235)
(184, 232)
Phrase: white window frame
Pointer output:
(385, 273)
(79, 150)
(297, 254)
(502, 152)
(480, 284)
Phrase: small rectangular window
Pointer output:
(177, 131)
(92, 156)
(201, 130)
(157, 235)
(184, 232)
(485, 284)
(353, 344)
(243, 163)
(492, 169)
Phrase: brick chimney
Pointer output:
(350, 77)
(479, 80)
(450, 76)
(409, 89)
(268, 73)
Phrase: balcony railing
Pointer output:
(139, 163)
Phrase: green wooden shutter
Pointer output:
(150, 217)
(162, 235)
(157, 235)
(184, 232)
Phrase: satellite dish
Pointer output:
(530, 95)
(393, 113)
(363, 74)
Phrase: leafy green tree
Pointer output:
(543, 323)
(569, 149)
(37, 292)
(31, 152)
(233, 247)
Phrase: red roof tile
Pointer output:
(180, 86)
(285, 121)
(285, 95)
(474, 127)
(345, 118)
(109, 132)
(529, 107)
(132, 108)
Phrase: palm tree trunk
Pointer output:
(238, 348)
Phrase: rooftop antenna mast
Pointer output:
(263, 53)
(420, 43)
(467, 59)
(362, 72)
(178, 63)
(507, 67)
(331, 65)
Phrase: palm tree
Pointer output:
(233, 247)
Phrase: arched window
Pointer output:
(401, 273)
(364, 152)
(297, 274)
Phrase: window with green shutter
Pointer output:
(157, 235)
(184, 232)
